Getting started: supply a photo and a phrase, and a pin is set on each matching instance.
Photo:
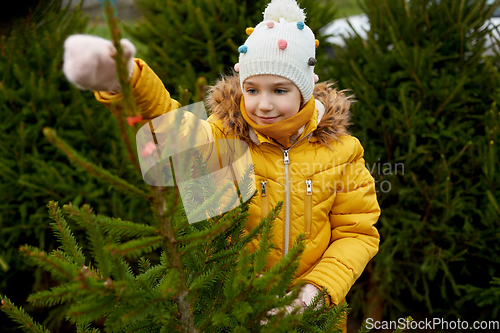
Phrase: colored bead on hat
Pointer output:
(282, 44)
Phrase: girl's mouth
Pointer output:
(268, 120)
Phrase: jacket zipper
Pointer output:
(286, 161)
(308, 207)
(263, 199)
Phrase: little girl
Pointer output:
(298, 138)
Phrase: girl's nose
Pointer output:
(266, 104)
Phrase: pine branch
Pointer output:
(112, 226)
(119, 227)
(3, 264)
(236, 216)
(91, 308)
(241, 283)
(122, 71)
(265, 247)
(144, 265)
(84, 327)
(170, 283)
(286, 267)
(206, 234)
(209, 188)
(242, 242)
(21, 317)
(271, 216)
(58, 295)
(98, 172)
(121, 66)
(174, 261)
(95, 237)
(207, 278)
(247, 183)
(58, 266)
(63, 233)
(363, 328)
(137, 317)
(140, 314)
(188, 200)
(209, 204)
(151, 276)
(135, 247)
(145, 326)
(334, 320)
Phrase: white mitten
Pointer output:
(89, 62)
(308, 292)
(306, 295)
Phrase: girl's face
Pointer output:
(270, 98)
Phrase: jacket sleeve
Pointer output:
(151, 97)
(170, 127)
(174, 130)
(354, 239)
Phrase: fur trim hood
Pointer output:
(223, 102)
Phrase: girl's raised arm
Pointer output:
(89, 64)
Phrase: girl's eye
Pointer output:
(251, 91)
(280, 91)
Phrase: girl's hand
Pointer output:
(89, 62)
(308, 292)
(306, 295)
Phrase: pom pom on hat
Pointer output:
(249, 31)
(243, 49)
(237, 67)
(300, 25)
(287, 9)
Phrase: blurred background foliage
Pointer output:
(34, 94)
(427, 115)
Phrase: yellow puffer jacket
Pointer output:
(328, 193)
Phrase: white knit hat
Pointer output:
(281, 45)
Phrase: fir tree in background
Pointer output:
(429, 121)
(34, 94)
(189, 39)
